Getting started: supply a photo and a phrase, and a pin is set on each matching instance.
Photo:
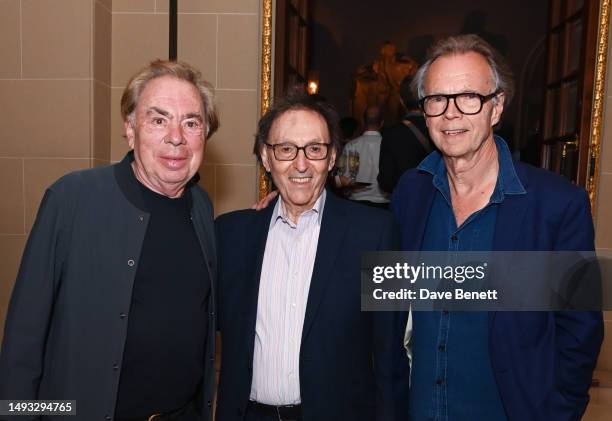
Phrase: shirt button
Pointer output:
(454, 237)
(440, 382)
(131, 262)
(441, 348)
(293, 305)
(444, 312)
(212, 313)
(209, 404)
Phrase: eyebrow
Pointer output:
(194, 115)
(167, 114)
(310, 142)
(158, 111)
(456, 93)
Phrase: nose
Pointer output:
(451, 109)
(301, 162)
(175, 135)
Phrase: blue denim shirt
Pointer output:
(452, 378)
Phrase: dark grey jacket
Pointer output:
(67, 319)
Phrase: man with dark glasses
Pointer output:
(471, 196)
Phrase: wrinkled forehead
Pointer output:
(457, 73)
(170, 91)
(299, 125)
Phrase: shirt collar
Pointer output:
(507, 173)
(371, 133)
(507, 179)
(279, 212)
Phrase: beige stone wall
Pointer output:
(50, 88)
(63, 65)
(221, 38)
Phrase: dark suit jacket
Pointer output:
(542, 361)
(352, 364)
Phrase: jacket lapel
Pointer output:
(416, 211)
(333, 229)
(509, 223)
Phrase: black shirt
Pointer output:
(163, 360)
(400, 150)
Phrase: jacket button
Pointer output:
(141, 218)
(107, 417)
(209, 404)
(122, 315)
(440, 381)
(115, 367)
(212, 313)
(131, 262)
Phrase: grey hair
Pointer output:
(179, 70)
(501, 75)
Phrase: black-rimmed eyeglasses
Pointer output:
(288, 151)
(468, 103)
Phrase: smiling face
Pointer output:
(167, 135)
(457, 135)
(300, 182)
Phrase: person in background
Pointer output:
(404, 145)
(360, 163)
(349, 127)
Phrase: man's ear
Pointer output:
(129, 132)
(498, 109)
(265, 158)
(332, 160)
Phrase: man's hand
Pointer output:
(263, 203)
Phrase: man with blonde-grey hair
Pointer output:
(113, 306)
(471, 196)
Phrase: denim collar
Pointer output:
(507, 179)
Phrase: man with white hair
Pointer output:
(113, 304)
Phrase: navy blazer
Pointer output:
(352, 363)
(542, 361)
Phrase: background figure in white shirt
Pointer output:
(359, 163)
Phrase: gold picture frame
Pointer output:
(263, 182)
(599, 97)
(601, 59)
